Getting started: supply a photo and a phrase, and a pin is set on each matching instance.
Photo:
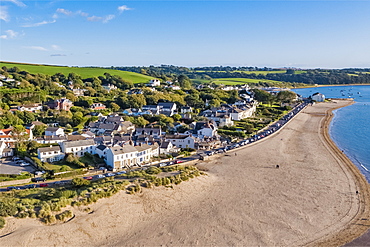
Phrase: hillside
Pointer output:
(83, 72)
(238, 81)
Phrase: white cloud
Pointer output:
(38, 24)
(16, 2)
(37, 48)
(10, 34)
(64, 11)
(4, 13)
(108, 18)
(123, 8)
(82, 13)
(94, 18)
(55, 47)
(105, 19)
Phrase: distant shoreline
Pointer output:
(336, 85)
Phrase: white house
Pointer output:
(206, 129)
(101, 150)
(98, 106)
(121, 157)
(30, 107)
(154, 83)
(167, 148)
(318, 97)
(51, 139)
(167, 109)
(50, 154)
(5, 151)
(54, 131)
(181, 141)
(79, 148)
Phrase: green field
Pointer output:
(83, 72)
(237, 81)
(260, 72)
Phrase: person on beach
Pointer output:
(235, 154)
(277, 166)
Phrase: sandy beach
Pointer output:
(310, 200)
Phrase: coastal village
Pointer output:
(80, 143)
(120, 143)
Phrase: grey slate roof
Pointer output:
(101, 147)
(49, 149)
(72, 144)
(123, 150)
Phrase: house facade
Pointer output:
(154, 83)
(30, 107)
(181, 141)
(318, 97)
(50, 154)
(98, 106)
(126, 156)
(79, 148)
(54, 131)
(61, 104)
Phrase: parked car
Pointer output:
(44, 185)
(39, 179)
(25, 164)
(30, 186)
(162, 164)
(109, 174)
(12, 188)
(88, 178)
(178, 161)
(99, 176)
(121, 172)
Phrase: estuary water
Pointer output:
(350, 127)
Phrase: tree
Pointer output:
(262, 96)
(136, 100)
(286, 96)
(184, 81)
(39, 130)
(176, 117)
(114, 107)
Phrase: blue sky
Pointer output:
(305, 34)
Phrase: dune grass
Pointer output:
(83, 72)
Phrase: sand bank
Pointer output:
(310, 200)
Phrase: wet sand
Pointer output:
(310, 200)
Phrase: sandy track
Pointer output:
(245, 200)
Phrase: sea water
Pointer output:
(350, 127)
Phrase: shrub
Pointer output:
(31, 214)
(153, 170)
(22, 215)
(79, 182)
(7, 208)
(49, 219)
(2, 222)
(65, 215)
